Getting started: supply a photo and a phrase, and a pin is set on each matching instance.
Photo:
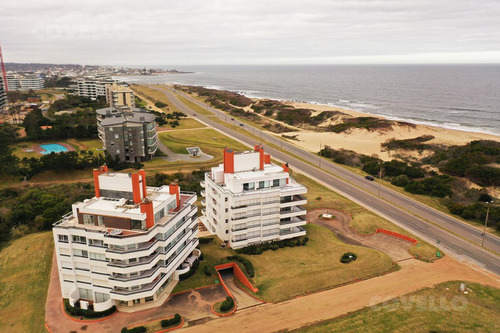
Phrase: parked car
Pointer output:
(232, 118)
(370, 178)
(241, 124)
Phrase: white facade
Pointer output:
(93, 88)
(113, 250)
(249, 200)
(28, 82)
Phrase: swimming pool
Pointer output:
(53, 148)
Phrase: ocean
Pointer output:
(463, 97)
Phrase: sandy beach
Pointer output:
(369, 142)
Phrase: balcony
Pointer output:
(202, 183)
(202, 193)
(141, 261)
(203, 202)
(143, 274)
(292, 211)
(144, 246)
(292, 232)
(293, 220)
(293, 200)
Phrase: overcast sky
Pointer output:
(165, 32)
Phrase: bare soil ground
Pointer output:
(395, 248)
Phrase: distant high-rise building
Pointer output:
(129, 133)
(118, 95)
(3, 93)
(93, 87)
(25, 83)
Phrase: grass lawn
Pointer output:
(25, 265)
(313, 267)
(210, 141)
(363, 220)
(480, 315)
(186, 123)
(193, 106)
(212, 253)
(154, 96)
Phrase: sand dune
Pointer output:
(368, 142)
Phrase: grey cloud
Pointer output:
(203, 32)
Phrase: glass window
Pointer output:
(88, 219)
(79, 239)
(80, 253)
(85, 293)
(136, 224)
(63, 238)
(97, 256)
(101, 297)
(276, 182)
(100, 220)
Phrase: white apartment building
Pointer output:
(119, 95)
(250, 200)
(93, 87)
(27, 82)
(127, 245)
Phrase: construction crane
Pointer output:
(3, 71)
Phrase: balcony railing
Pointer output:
(294, 219)
(292, 198)
(294, 230)
(141, 261)
(144, 246)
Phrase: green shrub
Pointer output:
(207, 269)
(77, 312)
(172, 321)
(348, 257)
(138, 329)
(257, 249)
(305, 240)
(246, 263)
(227, 305)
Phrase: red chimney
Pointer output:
(96, 183)
(260, 149)
(174, 189)
(228, 160)
(267, 159)
(147, 207)
(136, 188)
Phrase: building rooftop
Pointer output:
(120, 115)
(112, 207)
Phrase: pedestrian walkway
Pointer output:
(243, 300)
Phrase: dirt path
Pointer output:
(395, 248)
(333, 303)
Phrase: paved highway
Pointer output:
(406, 212)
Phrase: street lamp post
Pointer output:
(486, 221)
